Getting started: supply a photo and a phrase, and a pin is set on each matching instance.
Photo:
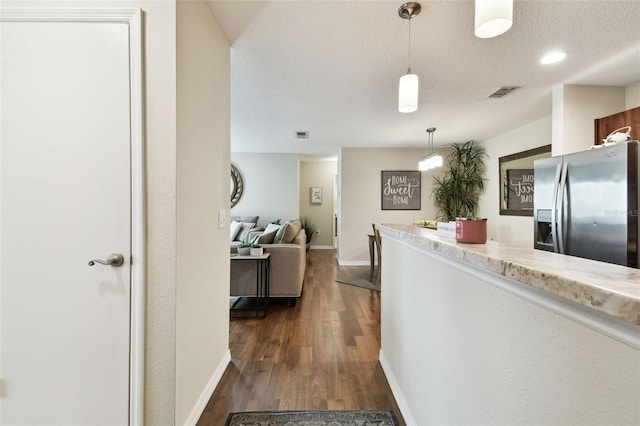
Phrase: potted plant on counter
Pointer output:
(457, 192)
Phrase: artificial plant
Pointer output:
(456, 193)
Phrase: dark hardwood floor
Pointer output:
(320, 354)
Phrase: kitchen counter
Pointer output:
(493, 335)
(608, 288)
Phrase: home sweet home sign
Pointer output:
(401, 190)
(520, 184)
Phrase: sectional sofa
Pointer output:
(287, 245)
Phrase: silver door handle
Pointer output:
(115, 260)
(563, 187)
(554, 209)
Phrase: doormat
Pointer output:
(357, 276)
(313, 418)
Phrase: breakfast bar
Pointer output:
(486, 334)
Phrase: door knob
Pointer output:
(115, 260)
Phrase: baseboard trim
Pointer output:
(353, 262)
(403, 405)
(207, 392)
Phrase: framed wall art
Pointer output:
(401, 190)
(316, 195)
(516, 179)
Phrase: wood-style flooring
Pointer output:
(320, 354)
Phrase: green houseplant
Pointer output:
(457, 191)
(256, 249)
(309, 227)
(244, 249)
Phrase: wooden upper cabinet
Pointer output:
(605, 125)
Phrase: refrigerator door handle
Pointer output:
(554, 207)
(560, 202)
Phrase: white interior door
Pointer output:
(65, 194)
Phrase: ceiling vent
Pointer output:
(503, 91)
(302, 135)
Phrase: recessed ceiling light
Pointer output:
(553, 57)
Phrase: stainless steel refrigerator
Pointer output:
(586, 204)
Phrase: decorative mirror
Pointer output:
(237, 185)
(516, 181)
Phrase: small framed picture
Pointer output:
(316, 195)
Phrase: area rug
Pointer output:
(313, 418)
(357, 276)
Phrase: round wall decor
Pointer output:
(237, 186)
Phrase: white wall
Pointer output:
(160, 101)
(359, 199)
(203, 130)
(270, 186)
(462, 351)
(515, 231)
(574, 110)
(632, 95)
(318, 173)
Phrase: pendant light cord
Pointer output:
(430, 130)
(409, 53)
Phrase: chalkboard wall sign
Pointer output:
(520, 190)
(401, 190)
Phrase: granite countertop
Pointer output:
(609, 288)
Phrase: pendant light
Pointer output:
(432, 160)
(408, 88)
(493, 17)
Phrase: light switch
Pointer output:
(222, 218)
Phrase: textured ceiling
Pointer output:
(332, 67)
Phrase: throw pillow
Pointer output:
(271, 228)
(280, 233)
(266, 237)
(234, 229)
(252, 235)
(244, 231)
(287, 232)
(252, 219)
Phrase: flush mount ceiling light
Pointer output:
(432, 160)
(408, 88)
(553, 57)
(493, 17)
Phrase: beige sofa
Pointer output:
(287, 265)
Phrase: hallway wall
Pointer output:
(318, 174)
(203, 133)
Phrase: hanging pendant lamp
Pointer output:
(409, 84)
(433, 160)
(493, 17)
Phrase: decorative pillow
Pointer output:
(244, 230)
(252, 219)
(266, 237)
(252, 235)
(272, 227)
(234, 228)
(287, 232)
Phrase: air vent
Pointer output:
(503, 91)
(302, 135)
